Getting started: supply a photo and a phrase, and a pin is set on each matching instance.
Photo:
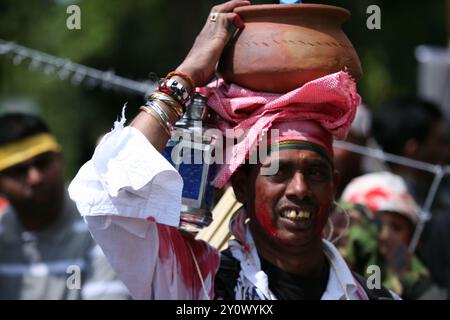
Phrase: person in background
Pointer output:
(350, 164)
(415, 128)
(382, 235)
(46, 252)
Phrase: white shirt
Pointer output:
(130, 196)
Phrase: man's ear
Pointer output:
(239, 181)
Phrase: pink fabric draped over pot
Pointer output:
(330, 102)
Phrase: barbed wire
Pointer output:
(79, 74)
(65, 69)
(392, 158)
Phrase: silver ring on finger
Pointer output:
(213, 16)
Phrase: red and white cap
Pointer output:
(382, 191)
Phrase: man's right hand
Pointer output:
(201, 61)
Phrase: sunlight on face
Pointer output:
(291, 206)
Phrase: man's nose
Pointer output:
(34, 176)
(297, 186)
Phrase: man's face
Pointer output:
(34, 184)
(290, 208)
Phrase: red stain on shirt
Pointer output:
(175, 245)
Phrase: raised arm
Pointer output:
(199, 64)
(130, 195)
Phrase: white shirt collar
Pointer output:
(341, 280)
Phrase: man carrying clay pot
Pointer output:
(130, 195)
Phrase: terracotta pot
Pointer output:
(284, 46)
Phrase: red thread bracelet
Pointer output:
(185, 76)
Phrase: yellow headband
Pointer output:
(25, 149)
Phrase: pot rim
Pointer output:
(259, 10)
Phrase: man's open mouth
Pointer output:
(296, 215)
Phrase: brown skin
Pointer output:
(397, 226)
(305, 181)
(434, 149)
(394, 238)
(35, 189)
(200, 64)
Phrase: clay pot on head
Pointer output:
(284, 46)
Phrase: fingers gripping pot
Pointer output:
(286, 45)
(190, 151)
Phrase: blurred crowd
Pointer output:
(46, 250)
(381, 203)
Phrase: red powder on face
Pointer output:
(174, 249)
(265, 220)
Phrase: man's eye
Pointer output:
(15, 172)
(318, 174)
(280, 174)
(43, 162)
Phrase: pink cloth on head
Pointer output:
(330, 101)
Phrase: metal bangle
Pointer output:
(166, 108)
(155, 116)
(165, 118)
(169, 101)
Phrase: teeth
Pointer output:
(304, 214)
(294, 215)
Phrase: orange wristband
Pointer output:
(183, 75)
